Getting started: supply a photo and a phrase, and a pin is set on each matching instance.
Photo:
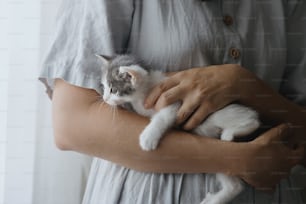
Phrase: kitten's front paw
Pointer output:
(147, 142)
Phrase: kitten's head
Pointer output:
(122, 79)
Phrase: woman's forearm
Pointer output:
(83, 123)
(271, 105)
(273, 108)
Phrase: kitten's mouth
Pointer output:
(114, 103)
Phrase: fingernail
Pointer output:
(286, 128)
(146, 105)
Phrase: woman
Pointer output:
(221, 52)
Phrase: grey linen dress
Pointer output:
(267, 37)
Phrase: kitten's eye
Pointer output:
(113, 90)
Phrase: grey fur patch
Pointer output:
(126, 60)
(120, 83)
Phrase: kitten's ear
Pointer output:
(105, 59)
(136, 72)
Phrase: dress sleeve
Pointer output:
(294, 81)
(83, 29)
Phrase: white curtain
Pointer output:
(32, 170)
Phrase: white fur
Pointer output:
(161, 121)
(233, 120)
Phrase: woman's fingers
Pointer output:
(283, 132)
(171, 96)
(279, 136)
(276, 134)
(158, 90)
(189, 105)
(297, 155)
(282, 136)
(198, 116)
(273, 158)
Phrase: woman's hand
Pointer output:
(271, 158)
(201, 91)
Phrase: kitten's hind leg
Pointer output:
(227, 135)
(240, 130)
(160, 123)
(230, 188)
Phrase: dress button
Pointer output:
(228, 20)
(234, 53)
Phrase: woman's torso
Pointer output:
(173, 35)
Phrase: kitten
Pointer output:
(126, 81)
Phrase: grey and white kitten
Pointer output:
(126, 81)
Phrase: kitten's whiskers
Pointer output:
(101, 104)
(114, 112)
